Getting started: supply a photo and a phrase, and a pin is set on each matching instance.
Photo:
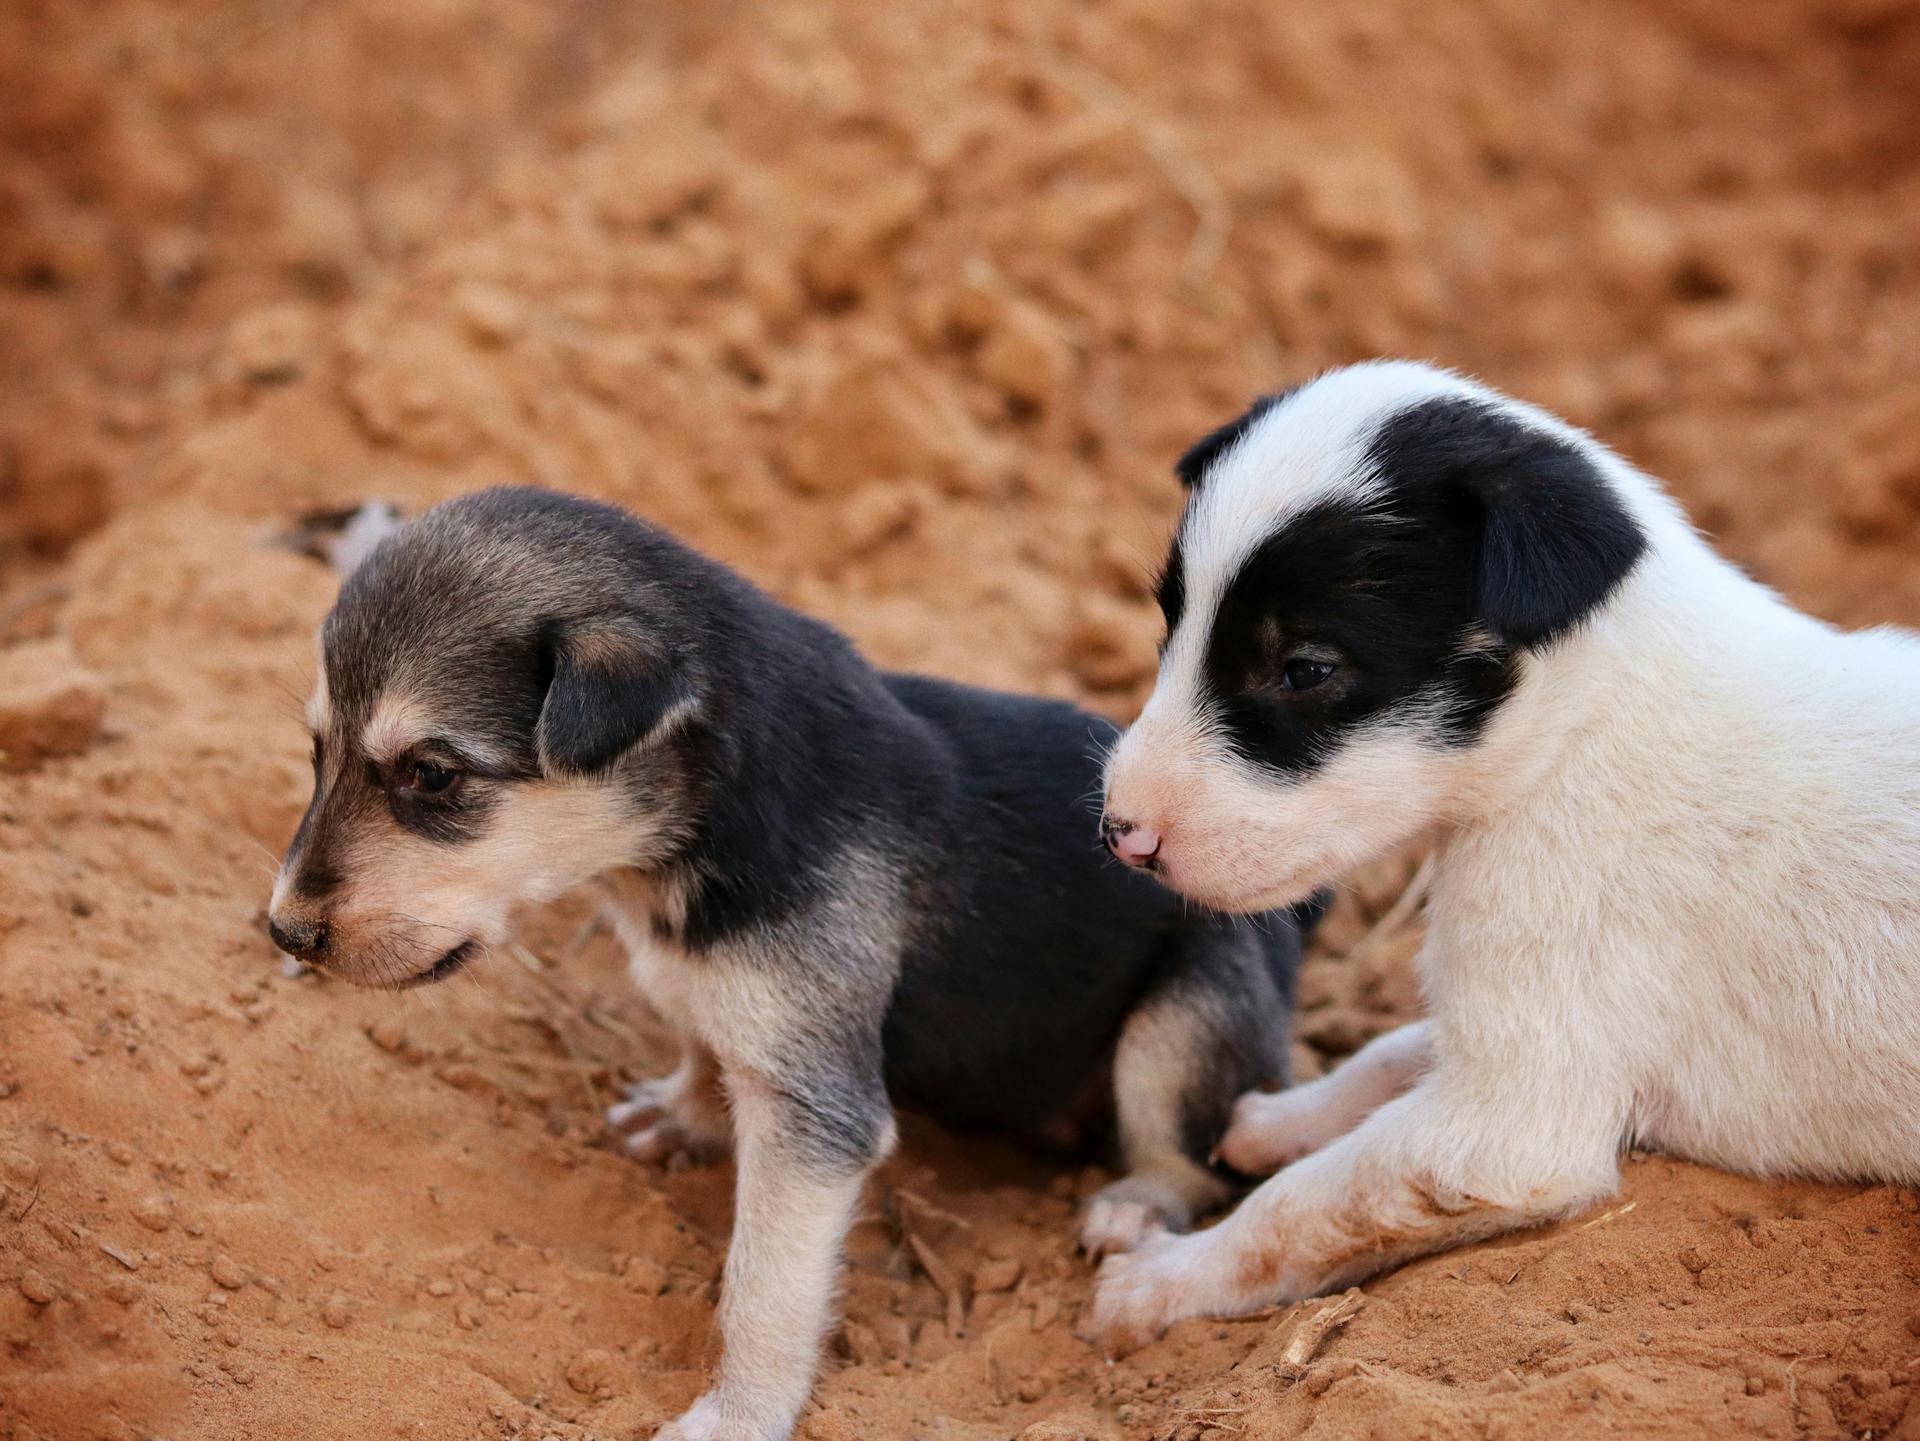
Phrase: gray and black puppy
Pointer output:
(848, 890)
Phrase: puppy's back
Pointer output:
(1035, 943)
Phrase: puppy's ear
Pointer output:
(1555, 537)
(610, 687)
(1193, 466)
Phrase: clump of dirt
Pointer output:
(905, 314)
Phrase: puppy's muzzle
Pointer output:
(1136, 845)
(304, 940)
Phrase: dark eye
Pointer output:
(1301, 673)
(431, 780)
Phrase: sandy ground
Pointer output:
(905, 313)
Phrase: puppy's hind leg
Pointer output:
(680, 1112)
(1213, 1027)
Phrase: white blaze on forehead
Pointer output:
(319, 705)
(1309, 449)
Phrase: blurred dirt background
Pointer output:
(904, 311)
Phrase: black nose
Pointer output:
(305, 939)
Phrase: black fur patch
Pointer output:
(451, 819)
(1193, 466)
(606, 689)
(1171, 588)
(1391, 593)
(1490, 538)
(1555, 540)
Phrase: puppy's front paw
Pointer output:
(708, 1419)
(658, 1119)
(1271, 1130)
(1137, 1296)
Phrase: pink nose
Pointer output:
(1135, 845)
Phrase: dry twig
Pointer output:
(1312, 1333)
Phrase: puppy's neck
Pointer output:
(1633, 681)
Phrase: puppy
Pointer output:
(847, 890)
(1677, 895)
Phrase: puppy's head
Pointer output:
(1363, 565)
(510, 702)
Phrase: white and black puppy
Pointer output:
(1677, 895)
(846, 889)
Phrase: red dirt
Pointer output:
(905, 314)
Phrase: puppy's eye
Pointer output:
(1303, 673)
(428, 779)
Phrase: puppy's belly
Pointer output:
(1788, 1105)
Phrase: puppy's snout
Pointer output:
(301, 938)
(1136, 845)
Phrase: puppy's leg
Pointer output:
(1433, 1168)
(1214, 1026)
(1272, 1129)
(682, 1111)
(804, 1147)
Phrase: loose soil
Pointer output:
(904, 311)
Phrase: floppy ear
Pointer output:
(1555, 537)
(1201, 455)
(610, 687)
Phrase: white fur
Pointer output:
(745, 1012)
(399, 722)
(362, 533)
(319, 703)
(1163, 1187)
(1677, 895)
(1271, 1129)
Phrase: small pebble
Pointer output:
(228, 1272)
(337, 1311)
(154, 1212)
(996, 1275)
(594, 1373)
(37, 1288)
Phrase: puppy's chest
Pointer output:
(666, 974)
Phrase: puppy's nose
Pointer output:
(305, 939)
(1135, 845)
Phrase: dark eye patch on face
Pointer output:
(455, 814)
(1386, 595)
